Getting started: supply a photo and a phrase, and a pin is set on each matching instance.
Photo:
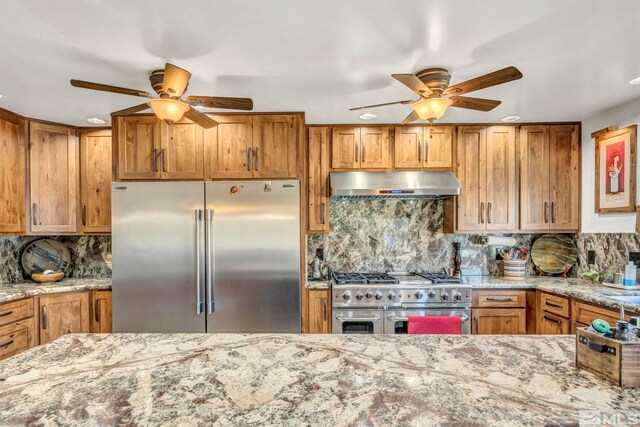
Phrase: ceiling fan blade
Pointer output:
(175, 80)
(479, 104)
(221, 102)
(200, 118)
(413, 83)
(108, 88)
(411, 118)
(132, 110)
(492, 79)
(407, 101)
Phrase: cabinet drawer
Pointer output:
(550, 324)
(587, 313)
(15, 338)
(555, 304)
(16, 310)
(499, 298)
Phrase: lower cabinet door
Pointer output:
(101, 313)
(16, 337)
(550, 324)
(499, 321)
(319, 311)
(62, 314)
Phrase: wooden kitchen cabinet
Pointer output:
(16, 327)
(360, 148)
(95, 181)
(274, 146)
(549, 178)
(182, 150)
(101, 319)
(423, 147)
(318, 182)
(550, 324)
(138, 144)
(499, 321)
(319, 311)
(54, 179)
(13, 179)
(61, 314)
(230, 146)
(486, 168)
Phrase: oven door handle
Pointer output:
(392, 317)
(341, 318)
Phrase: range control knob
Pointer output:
(378, 296)
(346, 296)
(419, 294)
(431, 294)
(391, 296)
(368, 295)
(359, 296)
(457, 296)
(444, 296)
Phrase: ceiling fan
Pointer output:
(436, 95)
(170, 84)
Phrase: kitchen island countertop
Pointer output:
(233, 379)
(15, 291)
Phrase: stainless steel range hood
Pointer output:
(394, 184)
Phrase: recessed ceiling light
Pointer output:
(367, 116)
(634, 82)
(95, 121)
(509, 119)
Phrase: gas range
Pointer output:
(398, 289)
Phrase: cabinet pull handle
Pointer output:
(489, 213)
(255, 159)
(546, 212)
(481, 212)
(499, 299)
(84, 214)
(364, 150)
(357, 149)
(550, 304)
(476, 320)
(552, 320)
(6, 313)
(164, 165)
(248, 159)
(35, 214)
(155, 160)
(44, 316)
(322, 214)
(96, 311)
(426, 150)
(8, 343)
(324, 308)
(554, 211)
(419, 150)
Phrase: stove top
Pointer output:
(440, 277)
(350, 278)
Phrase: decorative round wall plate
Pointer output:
(45, 254)
(554, 253)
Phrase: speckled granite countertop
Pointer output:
(571, 287)
(14, 291)
(337, 380)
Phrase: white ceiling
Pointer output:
(320, 57)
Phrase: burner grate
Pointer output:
(350, 278)
(440, 277)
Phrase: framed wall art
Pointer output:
(616, 171)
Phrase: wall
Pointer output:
(622, 116)
(86, 256)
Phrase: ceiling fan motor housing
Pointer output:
(156, 78)
(436, 79)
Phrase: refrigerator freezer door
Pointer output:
(254, 256)
(158, 246)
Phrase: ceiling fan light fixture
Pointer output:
(431, 108)
(169, 110)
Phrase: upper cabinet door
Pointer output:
(534, 178)
(230, 146)
(408, 152)
(318, 170)
(501, 189)
(138, 147)
(182, 152)
(374, 148)
(345, 148)
(95, 181)
(54, 179)
(472, 173)
(438, 147)
(12, 175)
(274, 146)
(564, 178)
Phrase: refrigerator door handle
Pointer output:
(211, 305)
(199, 302)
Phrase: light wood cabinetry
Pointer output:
(16, 327)
(319, 311)
(138, 144)
(486, 168)
(549, 178)
(101, 319)
(182, 150)
(61, 314)
(583, 314)
(360, 148)
(230, 147)
(54, 179)
(274, 146)
(95, 181)
(12, 174)
(423, 147)
(553, 316)
(550, 324)
(499, 321)
(501, 298)
(318, 173)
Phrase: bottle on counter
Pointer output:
(630, 274)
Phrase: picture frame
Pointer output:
(616, 171)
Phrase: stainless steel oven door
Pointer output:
(357, 321)
(395, 321)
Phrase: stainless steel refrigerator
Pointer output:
(219, 256)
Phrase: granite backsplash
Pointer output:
(86, 256)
